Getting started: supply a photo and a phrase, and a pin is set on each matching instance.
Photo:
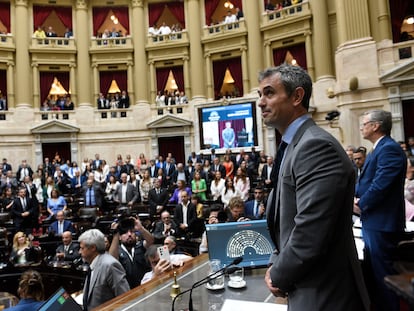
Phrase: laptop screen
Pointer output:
(249, 239)
(60, 301)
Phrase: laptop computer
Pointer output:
(249, 239)
(61, 300)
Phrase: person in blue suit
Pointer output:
(66, 225)
(380, 202)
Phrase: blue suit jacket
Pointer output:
(380, 188)
(67, 226)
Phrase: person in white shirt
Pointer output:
(230, 18)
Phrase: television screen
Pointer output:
(228, 126)
(61, 300)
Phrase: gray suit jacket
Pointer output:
(108, 281)
(131, 193)
(315, 261)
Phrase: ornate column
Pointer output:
(321, 40)
(255, 45)
(186, 75)
(96, 87)
(268, 54)
(245, 70)
(23, 97)
(153, 91)
(130, 83)
(383, 19)
(210, 90)
(36, 86)
(11, 86)
(82, 41)
(353, 19)
(139, 33)
(309, 55)
(72, 84)
(196, 50)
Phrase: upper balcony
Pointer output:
(292, 12)
(222, 30)
(165, 41)
(7, 41)
(111, 45)
(53, 45)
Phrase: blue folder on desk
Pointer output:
(249, 239)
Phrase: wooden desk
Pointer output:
(155, 295)
(401, 285)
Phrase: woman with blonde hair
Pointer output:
(30, 291)
(145, 186)
(21, 248)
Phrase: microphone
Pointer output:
(226, 269)
(229, 269)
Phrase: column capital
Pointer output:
(243, 48)
(129, 64)
(22, 3)
(137, 3)
(72, 65)
(207, 55)
(10, 64)
(266, 43)
(94, 65)
(186, 58)
(151, 62)
(81, 4)
(35, 65)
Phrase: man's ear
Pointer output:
(298, 94)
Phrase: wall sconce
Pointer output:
(330, 92)
(353, 83)
(228, 5)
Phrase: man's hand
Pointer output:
(357, 209)
(138, 225)
(274, 290)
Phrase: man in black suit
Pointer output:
(22, 212)
(184, 214)
(152, 169)
(102, 102)
(126, 193)
(165, 227)
(268, 174)
(24, 170)
(6, 166)
(169, 170)
(68, 250)
(157, 198)
(180, 174)
(217, 166)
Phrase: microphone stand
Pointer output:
(208, 278)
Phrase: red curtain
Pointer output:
(237, 126)
(298, 52)
(236, 71)
(399, 10)
(155, 11)
(177, 9)
(40, 13)
(210, 7)
(3, 82)
(106, 77)
(5, 14)
(219, 70)
(162, 78)
(65, 15)
(179, 77)
(46, 80)
(122, 14)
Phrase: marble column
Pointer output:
(11, 91)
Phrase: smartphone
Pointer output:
(164, 252)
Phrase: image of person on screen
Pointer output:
(228, 136)
(310, 222)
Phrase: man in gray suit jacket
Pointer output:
(106, 278)
(309, 212)
(126, 193)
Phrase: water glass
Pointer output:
(216, 282)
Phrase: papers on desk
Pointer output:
(242, 305)
(409, 226)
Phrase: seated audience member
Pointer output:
(55, 203)
(175, 198)
(68, 250)
(177, 258)
(229, 191)
(255, 209)
(61, 225)
(213, 218)
(129, 250)
(165, 227)
(236, 210)
(30, 291)
(158, 266)
(22, 250)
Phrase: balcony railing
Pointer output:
(224, 28)
(172, 38)
(113, 42)
(53, 42)
(287, 12)
(6, 39)
(113, 113)
(55, 114)
(172, 109)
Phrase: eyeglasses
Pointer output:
(365, 123)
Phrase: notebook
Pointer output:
(249, 239)
(61, 300)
